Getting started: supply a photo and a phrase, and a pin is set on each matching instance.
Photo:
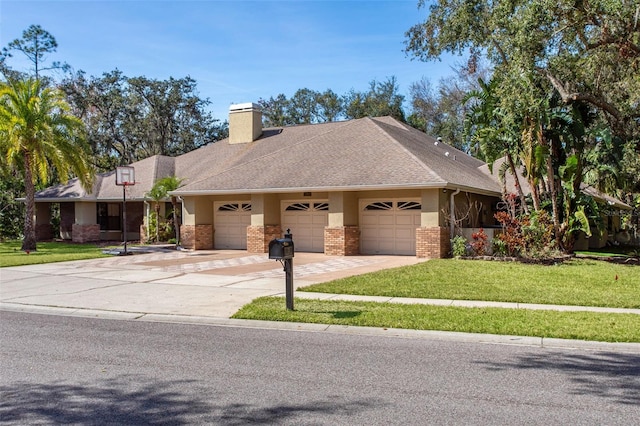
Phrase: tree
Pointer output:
(382, 98)
(35, 44)
(330, 106)
(303, 107)
(441, 110)
(275, 111)
(11, 188)
(551, 58)
(38, 136)
(160, 191)
(129, 119)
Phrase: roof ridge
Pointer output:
(404, 149)
(275, 152)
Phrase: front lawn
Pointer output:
(575, 282)
(516, 322)
(47, 252)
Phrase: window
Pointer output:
(307, 207)
(109, 217)
(235, 207)
(380, 205)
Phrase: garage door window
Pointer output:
(307, 207)
(235, 207)
(409, 205)
(380, 205)
(388, 205)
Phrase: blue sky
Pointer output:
(237, 51)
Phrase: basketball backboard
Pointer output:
(125, 176)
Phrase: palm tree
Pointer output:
(39, 136)
(490, 131)
(160, 191)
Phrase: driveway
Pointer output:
(212, 283)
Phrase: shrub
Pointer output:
(458, 246)
(480, 242)
(499, 247)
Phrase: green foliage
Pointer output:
(459, 246)
(11, 210)
(499, 247)
(129, 119)
(440, 110)
(39, 136)
(308, 106)
(159, 228)
(564, 97)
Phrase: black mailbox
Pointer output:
(281, 248)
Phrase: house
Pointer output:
(363, 186)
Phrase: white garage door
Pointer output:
(307, 221)
(230, 223)
(389, 226)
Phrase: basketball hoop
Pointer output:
(125, 176)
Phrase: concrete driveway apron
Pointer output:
(200, 283)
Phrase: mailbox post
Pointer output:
(282, 249)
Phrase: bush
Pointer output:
(480, 242)
(499, 247)
(458, 246)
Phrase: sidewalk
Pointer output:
(209, 287)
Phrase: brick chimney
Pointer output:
(245, 123)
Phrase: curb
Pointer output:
(541, 342)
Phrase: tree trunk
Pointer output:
(176, 222)
(512, 168)
(157, 208)
(554, 195)
(29, 241)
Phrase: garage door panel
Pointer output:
(307, 226)
(368, 220)
(386, 233)
(386, 219)
(404, 219)
(405, 233)
(389, 227)
(230, 225)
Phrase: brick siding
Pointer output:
(432, 243)
(258, 237)
(196, 237)
(342, 241)
(85, 233)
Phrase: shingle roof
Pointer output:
(147, 171)
(366, 153)
(357, 154)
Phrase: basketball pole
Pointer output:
(124, 216)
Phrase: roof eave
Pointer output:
(347, 188)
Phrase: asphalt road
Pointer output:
(70, 370)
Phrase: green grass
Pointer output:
(519, 322)
(47, 252)
(575, 282)
(618, 251)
